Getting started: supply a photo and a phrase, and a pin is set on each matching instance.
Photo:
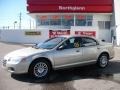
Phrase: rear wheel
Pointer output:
(40, 69)
(103, 60)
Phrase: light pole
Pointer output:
(30, 24)
(20, 18)
(14, 24)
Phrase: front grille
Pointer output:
(4, 62)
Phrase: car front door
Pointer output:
(90, 49)
(68, 53)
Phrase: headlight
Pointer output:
(17, 59)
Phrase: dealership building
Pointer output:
(96, 18)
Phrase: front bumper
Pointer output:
(16, 68)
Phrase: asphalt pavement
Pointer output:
(80, 78)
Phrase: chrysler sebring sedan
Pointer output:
(58, 53)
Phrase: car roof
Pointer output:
(69, 36)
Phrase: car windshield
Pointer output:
(50, 43)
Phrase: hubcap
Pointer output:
(103, 61)
(40, 69)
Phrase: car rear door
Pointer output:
(90, 49)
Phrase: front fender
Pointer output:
(48, 57)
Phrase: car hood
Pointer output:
(25, 52)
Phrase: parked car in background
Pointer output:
(58, 53)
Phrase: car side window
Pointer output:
(71, 43)
(77, 42)
(88, 42)
(68, 44)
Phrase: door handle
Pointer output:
(77, 50)
(98, 47)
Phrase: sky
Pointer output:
(10, 11)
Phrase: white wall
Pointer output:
(18, 36)
(117, 20)
(103, 34)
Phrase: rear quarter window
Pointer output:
(86, 41)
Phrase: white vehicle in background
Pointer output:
(57, 53)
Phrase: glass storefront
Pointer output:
(64, 20)
(68, 20)
(84, 20)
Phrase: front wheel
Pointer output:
(40, 69)
(103, 60)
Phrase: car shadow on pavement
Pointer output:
(112, 73)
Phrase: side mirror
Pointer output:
(34, 45)
(60, 47)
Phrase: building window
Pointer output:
(89, 20)
(55, 20)
(104, 24)
(68, 20)
(80, 20)
(64, 20)
(84, 20)
(107, 25)
(42, 20)
(101, 24)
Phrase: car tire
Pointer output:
(40, 69)
(103, 60)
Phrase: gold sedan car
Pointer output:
(57, 53)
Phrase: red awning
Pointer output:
(66, 6)
(75, 2)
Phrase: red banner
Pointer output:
(86, 33)
(57, 33)
(69, 9)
